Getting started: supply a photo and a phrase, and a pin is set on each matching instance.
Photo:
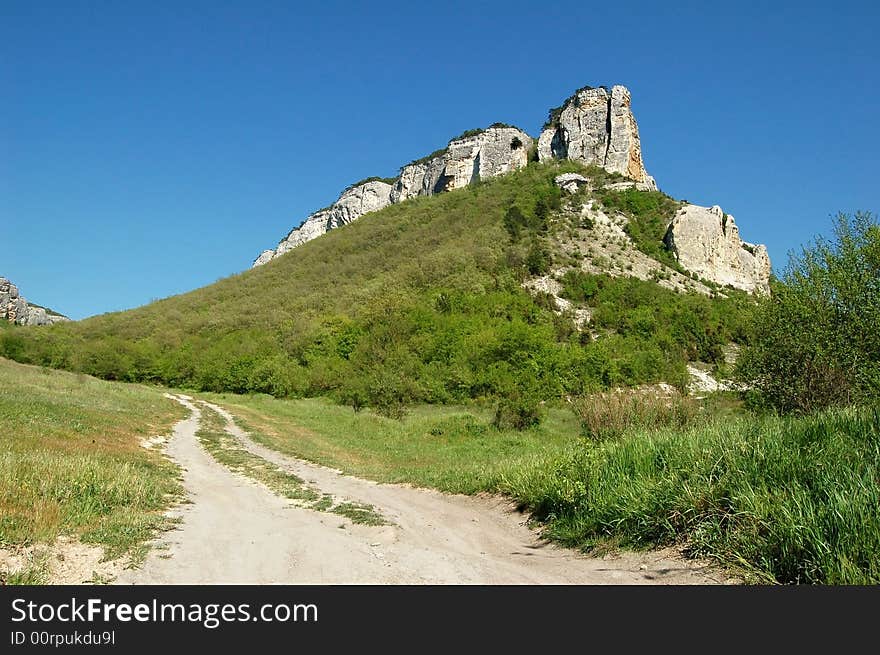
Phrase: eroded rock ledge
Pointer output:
(706, 241)
(15, 309)
(595, 126)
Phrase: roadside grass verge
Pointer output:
(451, 448)
(226, 449)
(788, 500)
(791, 500)
(71, 462)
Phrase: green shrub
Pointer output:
(580, 286)
(514, 222)
(518, 411)
(816, 340)
(538, 260)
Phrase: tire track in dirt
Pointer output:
(234, 530)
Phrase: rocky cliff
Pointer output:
(488, 153)
(595, 126)
(706, 241)
(353, 203)
(15, 309)
(474, 156)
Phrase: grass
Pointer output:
(612, 414)
(227, 450)
(790, 500)
(454, 449)
(71, 460)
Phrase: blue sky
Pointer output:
(152, 148)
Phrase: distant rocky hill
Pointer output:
(15, 309)
(595, 127)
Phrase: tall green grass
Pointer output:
(792, 500)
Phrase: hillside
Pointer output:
(423, 301)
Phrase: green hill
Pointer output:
(421, 301)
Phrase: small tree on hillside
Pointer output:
(816, 340)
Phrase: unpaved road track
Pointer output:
(236, 531)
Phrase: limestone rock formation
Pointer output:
(352, 204)
(487, 153)
(706, 241)
(595, 126)
(491, 152)
(571, 182)
(15, 309)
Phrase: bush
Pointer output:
(579, 286)
(514, 222)
(518, 411)
(816, 340)
(538, 260)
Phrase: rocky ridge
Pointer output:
(15, 309)
(596, 127)
(474, 156)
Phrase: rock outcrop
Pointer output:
(571, 182)
(476, 156)
(353, 203)
(15, 309)
(490, 152)
(706, 242)
(595, 126)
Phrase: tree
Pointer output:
(816, 340)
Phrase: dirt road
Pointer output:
(234, 530)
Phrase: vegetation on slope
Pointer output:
(420, 302)
(649, 214)
(71, 461)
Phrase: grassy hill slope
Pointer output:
(421, 301)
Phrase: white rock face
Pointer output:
(351, 205)
(264, 257)
(596, 126)
(15, 309)
(706, 241)
(360, 200)
(571, 182)
(492, 152)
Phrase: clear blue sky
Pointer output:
(149, 148)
